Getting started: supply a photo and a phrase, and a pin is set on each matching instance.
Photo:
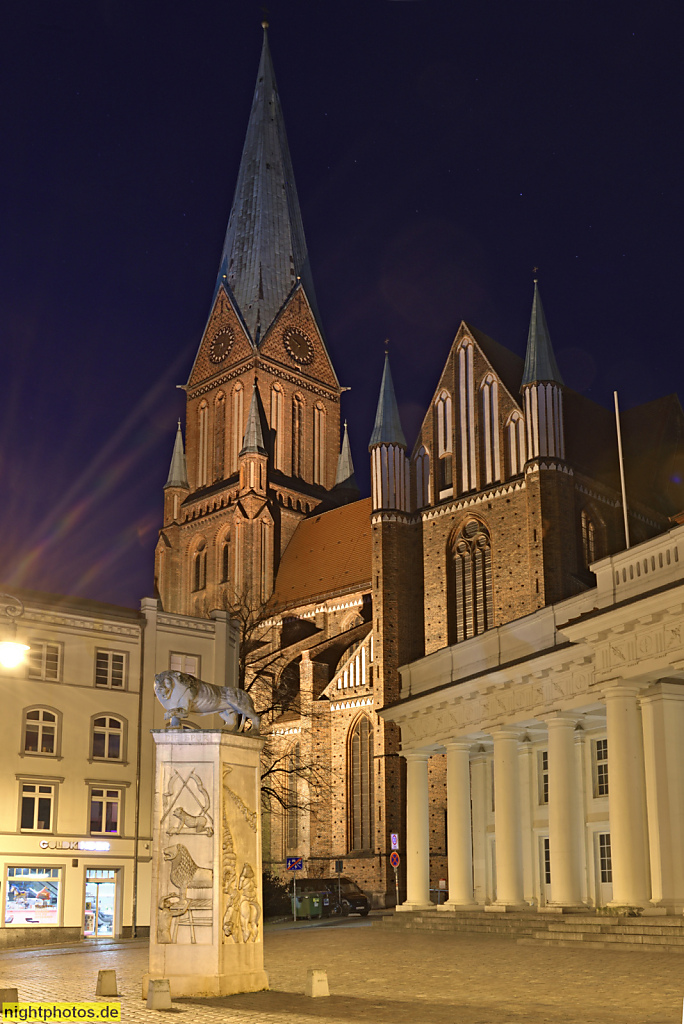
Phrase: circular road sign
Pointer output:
(395, 859)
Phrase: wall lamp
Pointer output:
(12, 653)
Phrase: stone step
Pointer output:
(593, 944)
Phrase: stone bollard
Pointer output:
(158, 994)
(8, 995)
(317, 983)
(106, 983)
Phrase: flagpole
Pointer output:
(622, 468)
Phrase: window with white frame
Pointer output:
(189, 663)
(110, 669)
(37, 807)
(605, 858)
(108, 736)
(600, 752)
(105, 811)
(543, 776)
(44, 660)
(41, 731)
(546, 846)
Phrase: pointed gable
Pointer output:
(295, 342)
(224, 342)
(265, 252)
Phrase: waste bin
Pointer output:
(309, 904)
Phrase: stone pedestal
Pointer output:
(206, 931)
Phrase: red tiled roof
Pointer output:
(329, 553)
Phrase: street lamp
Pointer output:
(12, 653)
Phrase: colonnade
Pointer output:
(645, 731)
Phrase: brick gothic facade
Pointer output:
(509, 495)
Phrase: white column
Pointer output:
(509, 874)
(662, 712)
(417, 831)
(563, 837)
(459, 836)
(479, 823)
(627, 798)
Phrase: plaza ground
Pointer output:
(386, 978)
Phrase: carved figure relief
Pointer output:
(181, 694)
(242, 912)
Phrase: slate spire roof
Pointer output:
(345, 467)
(253, 441)
(178, 471)
(387, 428)
(540, 362)
(264, 253)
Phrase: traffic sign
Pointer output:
(339, 867)
(295, 863)
(395, 859)
(394, 840)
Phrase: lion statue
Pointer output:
(180, 695)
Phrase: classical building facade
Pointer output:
(560, 733)
(77, 760)
(509, 496)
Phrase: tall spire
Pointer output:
(178, 472)
(265, 253)
(253, 441)
(387, 428)
(345, 467)
(540, 362)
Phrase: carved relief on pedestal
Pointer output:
(187, 902)
(242, 914)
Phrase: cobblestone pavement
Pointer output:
(405, 978)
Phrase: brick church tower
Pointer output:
(262, 417)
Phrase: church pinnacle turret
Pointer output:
(540, 361)
(389, 465)
(265, 254)
(542, 389)
(178, 473)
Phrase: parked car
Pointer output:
(339, 897)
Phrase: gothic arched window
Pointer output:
(277, 425)
(444, 425)
(470, 604)
(298, 436)
(199, 568)
(490, 429)
(515, 444)
(293, 768)
(589, 539)
(236, 425)
(203, 445)
(224, 559)
(219, 436)
(319, 444)
(422, 478)
(466, 404)
(360, 785)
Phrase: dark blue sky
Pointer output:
(441, 150)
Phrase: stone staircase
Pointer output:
(576, 930)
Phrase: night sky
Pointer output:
(441, 150)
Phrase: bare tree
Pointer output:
(269, 671)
